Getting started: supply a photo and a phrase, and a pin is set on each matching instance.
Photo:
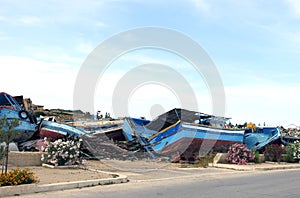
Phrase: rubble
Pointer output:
(101, 147)
(291, 132)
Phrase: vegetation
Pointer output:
(17, 176)
(14, 176)
(2, 154)
(256, 156)
(60, 153)
(201, 161)
(274, 152)
(293, 152)
(239, 154)
(7, 135)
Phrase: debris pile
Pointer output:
(291, 132)
(101, 147)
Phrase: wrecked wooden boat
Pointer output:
(56, 130)
(257, 138)
(10, 108)
(183, 133)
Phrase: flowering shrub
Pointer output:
(17, 177)
(274, 152)
(59, 152)
(239, 154)
(293, 151)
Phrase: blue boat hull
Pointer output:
(10, 109)
(188, 133)
(261, 137)
(57, 130)
(180, 138)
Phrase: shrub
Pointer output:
(17, 176)
(239, 154)
(203, 161)
(293, 151)
(256, 156)
(274, 152)
(200, 161)
(59, 152)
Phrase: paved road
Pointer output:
(213, 183)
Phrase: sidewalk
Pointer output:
(257, 167)
(54, 179)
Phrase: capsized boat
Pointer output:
(10, 108)
(257, 138)
(181, 132)
(56, 130)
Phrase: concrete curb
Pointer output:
(253, 168)
(36, 188)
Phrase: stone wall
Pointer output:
(21, 159)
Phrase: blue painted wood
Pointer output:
(63, 129)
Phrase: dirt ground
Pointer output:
(47, 175)
(56, 175)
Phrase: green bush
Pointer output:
(256, 156)
(293, 152)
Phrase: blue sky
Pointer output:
(254, 44)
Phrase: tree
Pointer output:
(8, 134)
(2, 154)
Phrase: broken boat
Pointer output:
(181, 132)
(56, 130)
(10, 108)
(31, 127)
(257, 138)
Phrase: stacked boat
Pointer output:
(182, 132)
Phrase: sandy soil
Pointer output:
(55, 175)
(50, 175)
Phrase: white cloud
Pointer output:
(3, 19)
(201, 5)
(144, 97)
(53, 54)
(274, 104)
(100, 24)
(4, 37)
(30, 20)
(49, 84)
(295, 6)
(85, 47)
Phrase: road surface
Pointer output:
(210, 183)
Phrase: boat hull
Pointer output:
(189, 149)
(196, 138)
(51, 133)
(182, 139)
(57, 130)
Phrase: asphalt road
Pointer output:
(213, 183)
